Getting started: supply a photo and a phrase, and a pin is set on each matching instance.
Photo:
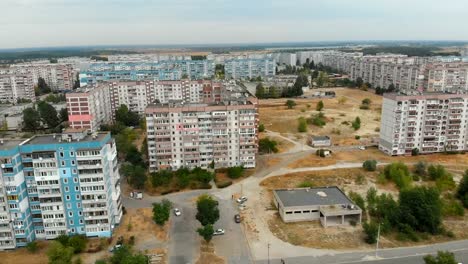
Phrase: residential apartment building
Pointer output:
(138, 95)
(140, 71)
(89, 107)
(447, 77)
(16, 86)
(58, 184)
(431, 122)
(249, 68)
(58, 76)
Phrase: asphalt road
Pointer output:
(184, 241)
(413, 255)
(233, 244)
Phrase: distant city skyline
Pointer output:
(56, 23)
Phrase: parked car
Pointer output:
(177, 212)
(218, 232)
(362, 148)
(237, 218)
(114, 248)
(242, 199)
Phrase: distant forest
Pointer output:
(422, 51)
(21, 56)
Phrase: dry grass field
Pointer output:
(343, 108)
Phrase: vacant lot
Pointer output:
(339, 112)
(207, 254)
(455, 161)
(312, 234)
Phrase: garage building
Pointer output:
(327, 204)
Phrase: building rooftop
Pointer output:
(318, 138)
(9, 143)
(312, 196)
(63, 138)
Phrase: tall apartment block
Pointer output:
(249, 68)
(58, 184)
(89, 108)
(447, 77)
(138, 95)
(431, 122)
(57, 76)
(16, 86)
(195, 135)
(140, 71)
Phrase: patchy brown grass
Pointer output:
(276, 117)
(207, 255)
(23, 256)
(312, 234)
(283, 145)
(312, 161)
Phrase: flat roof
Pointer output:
(312, 196)
(321, 138)
(51, 139)
(10, 143)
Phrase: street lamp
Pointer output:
(268, 252)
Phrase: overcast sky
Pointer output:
(42, 23)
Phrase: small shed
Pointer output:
(321, 141)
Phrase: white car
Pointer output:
(114, 248)
(242, 199)
(177, 212)
(218, 232)
(362, 148)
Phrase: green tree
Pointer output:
(206, 232)
(161, 212)
(135, 174)
(267, 145)
(359, 82)
(260, 91)
(63, 114)
(356, 123)
(366, 101)
(371, 230)
(124, 255)
(31, 119)
(235, 172)
(32, 247)
(290, 104)
(370, 165)
(371, 198)
(42, 87)
(443, 257)
(319, 106)
(391, 88)
(420, 168)
(302, 125)
(421, 209)
(436, 171)
(358, 200)
(48, 114)
(59, 254)
(207, 210)
(462, 192)
(398, 173)
(78, 243)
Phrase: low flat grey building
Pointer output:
(327, 204)
(321, 141)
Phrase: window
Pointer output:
(69, 205)
(76, 189)
(68, 197)
(70, 214)
(61, 154)
(74, 171)
(67, 189)
(64, 171)
(72, 154)
(65, 181)
(297, 212)
(78, 205)
(306, 212)
(71, 222)
(80, 213)
(75, 179)
(78, 196)
(73, 162)
(63, 163)
(289, 212)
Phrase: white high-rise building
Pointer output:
(431, 122)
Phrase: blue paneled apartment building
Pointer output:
(58, 184)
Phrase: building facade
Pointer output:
(58, 76)
(247, 69)
(141, 71)
(432, 122)
(16, 86)
(89, 108)
(58, 184)
(195, 135)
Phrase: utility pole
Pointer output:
(268, 252)
(241, 185)
(377, 244)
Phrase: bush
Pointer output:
(302, 125)
(443, 257)
(353, 222)
(357, 137)
(452, 208)
(358, 200)
(420, 168)
(462, 192)
(319, 106)
(32, 247)
(399, 174)
(370, 165)
(235, 172)
(436, 171)
(364, 107)
(371, 229)
(356, 124)
(318, 120)
(223, 184)
(360, 179)
(261, 128)
(161, 212)
(306, 184)
(415, 152)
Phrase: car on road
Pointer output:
(177, 212)
(242, 199)
(218, 232)
(362, 148)
(237, 218)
